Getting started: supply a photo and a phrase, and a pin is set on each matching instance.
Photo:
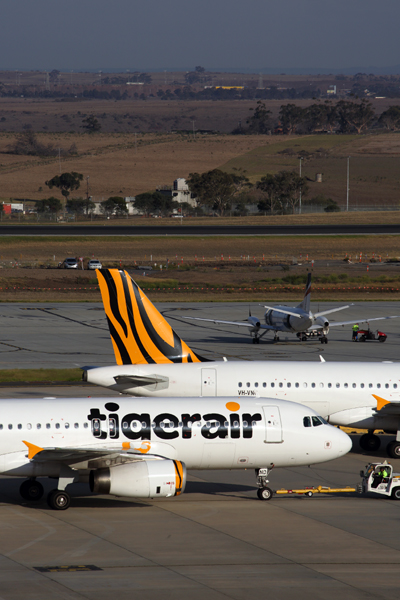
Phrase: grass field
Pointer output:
(120, 164)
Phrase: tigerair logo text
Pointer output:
(168, 426)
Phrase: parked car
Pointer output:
(94, 264)
(70, 263)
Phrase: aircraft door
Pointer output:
(208, 382)
(273, 425)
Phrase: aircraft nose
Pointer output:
(341, 442)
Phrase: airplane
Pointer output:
(299, 320)
(152, 360)
(139, 448)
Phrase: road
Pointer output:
(177, 229)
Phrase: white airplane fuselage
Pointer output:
(218, 433)
(343, 392)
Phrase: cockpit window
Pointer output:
(307, 422)
(316, 421)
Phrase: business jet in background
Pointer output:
(141, 448)
(152, 360)
(286, 319)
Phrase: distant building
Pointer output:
(178, 192)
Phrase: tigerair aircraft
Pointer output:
(139, 448)
(152, 360)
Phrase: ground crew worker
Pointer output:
(355, 332)
(380, 476)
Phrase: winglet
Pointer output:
(33, 450)
(380, 402)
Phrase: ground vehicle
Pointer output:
(70, 263)
(372, 480)
(94, 264)
(366, 334)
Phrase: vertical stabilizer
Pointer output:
(139, 333)
(306, 302)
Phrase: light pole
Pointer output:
(301, 158)
(348, 180)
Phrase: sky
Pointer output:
(216, 34)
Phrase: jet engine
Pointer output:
(159, 478)
(324, 323)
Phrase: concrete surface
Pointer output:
(217, 540)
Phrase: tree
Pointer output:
(115, 205)
(283, 191)
(290, 117)
(66, 182)
(91, 124)
(214, 189)
(259, 122)
(80, 206)
(154, 202)
(50, 205)
(390, 119)
(353, 115)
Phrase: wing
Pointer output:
(281, 310)
(92, 458)
(237, 323)
(332, 310)
(342, 323)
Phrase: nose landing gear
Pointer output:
(263, 492)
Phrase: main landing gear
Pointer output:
(263, 492)
(57, 499)
(371, 443)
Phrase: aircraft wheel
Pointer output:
(393, 449)
(304, 338)
(31, 490)
(58, 500)
(264, 493)
(362, 338)
(370, 442)
(309, 494)
(254, 340)
(382, 338)
(396, 493)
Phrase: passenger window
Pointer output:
(19, 426)
(329, 385)
(386, 385)
(316, 421)
(354, 385)
(272, 384)
(378, 385)
(240, 384)
(248, 384)
(395, 386)
(48, 425)
(256, 384)
(370, 385)
(264, 384)
(226, 424)
(307, 422)
(361, 385)
(76, 425)
(57, 425)
(289, 384)
(29, 426)
(280, 384)
(1, 426)
(346, 385)
(313, 385)
(66, 425)
(236, 424)
(338, 385)
(321, 385)
(304, 385)
(9, 426)
(296, 384)
(86, 425)
(38, 426)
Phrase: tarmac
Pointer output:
(217, 539)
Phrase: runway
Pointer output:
(216, 540)
(185, 228)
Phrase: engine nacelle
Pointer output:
(141, 479)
